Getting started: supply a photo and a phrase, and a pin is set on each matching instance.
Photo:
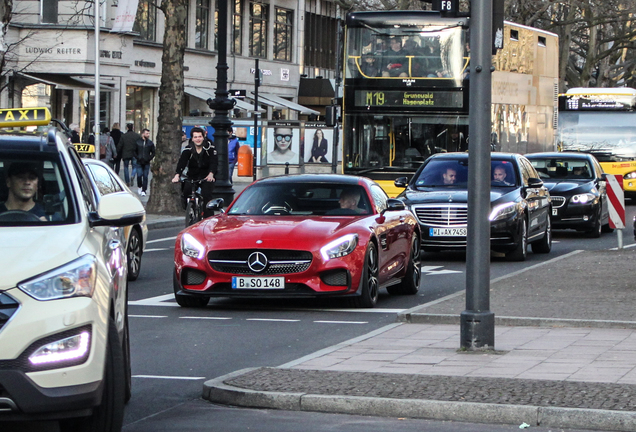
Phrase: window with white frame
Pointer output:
(237, 27)
(283, 34)
(146, 22)
(201, 32)
(49, 11)
(258, 29)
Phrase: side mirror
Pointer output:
(401, 182)
(117, 209)
(535, 182)
(393, 204)
(215, 204)
(603, 177)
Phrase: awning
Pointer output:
(206, 94)
(315, 91)
(287, 104)
(64, 82)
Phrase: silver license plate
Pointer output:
(447, 232)
(264, 282)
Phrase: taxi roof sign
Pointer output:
(17, 117)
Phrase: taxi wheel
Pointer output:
(134, 255)
(411, 282)
(109, 416)
(370, 286)
(521, 251)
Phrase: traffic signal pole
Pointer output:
(477, 321)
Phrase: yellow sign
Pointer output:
(84, 148)
(16, 117)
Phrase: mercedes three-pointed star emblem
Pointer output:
(257, 262)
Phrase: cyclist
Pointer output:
(201, 159)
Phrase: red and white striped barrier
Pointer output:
(616, 198)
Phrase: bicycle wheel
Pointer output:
(191, 215)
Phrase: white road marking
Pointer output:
(157, 249)
(272, 319)
(161, 239)
(155, 301)
(169, 377)
(341, 322)
(374, 310)
(206, 318)
(432, 270)
(148, 316)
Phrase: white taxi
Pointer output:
(64, 346)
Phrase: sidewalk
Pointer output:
(565, 357)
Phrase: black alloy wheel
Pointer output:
(134, 253)
(520, 253)
(545, 244)
(370, 291)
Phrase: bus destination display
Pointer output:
(408, 98)
(596, 102)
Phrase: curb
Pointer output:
(216, 391)
(169, 223)
(423, 318)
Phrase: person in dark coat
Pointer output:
(144, 154)
(115, 134)
(201, 160)
(128, 150)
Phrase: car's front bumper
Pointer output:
(29, 392)
(574, 216)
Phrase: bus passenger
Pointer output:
(395, 62)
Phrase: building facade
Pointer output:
(52, 58)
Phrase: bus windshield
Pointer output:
(589, 132)
(422, 51)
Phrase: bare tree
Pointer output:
(165, 197)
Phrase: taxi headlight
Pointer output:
(75, 279)
(339, 247)
(191, 247)
(72, 349)
(502, 211)
(582, 198)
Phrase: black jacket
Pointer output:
(128, 143)
(145, 151)
(199, 164)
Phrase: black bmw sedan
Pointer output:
(577, 190)
(437, 194)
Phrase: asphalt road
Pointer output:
(174, 350)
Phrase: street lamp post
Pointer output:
(221, 105)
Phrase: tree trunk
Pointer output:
(5, 17)
(164, 198)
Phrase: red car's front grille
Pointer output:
(278, 261)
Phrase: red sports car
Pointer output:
(308, 235)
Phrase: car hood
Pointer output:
(280, 233)
(566, 186)
(30, 251)
(431, 196)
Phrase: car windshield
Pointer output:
(33, 191)
(563, 168)
(302, 199)
(454, 174)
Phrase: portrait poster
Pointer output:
(283, 145)
(318, 145)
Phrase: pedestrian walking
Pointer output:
(115, 133)
(144, 154)
(128, 150)
(107, 148)
(232, 152)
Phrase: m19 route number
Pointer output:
(375, 98)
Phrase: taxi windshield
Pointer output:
(32, 191)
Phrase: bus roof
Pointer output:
(623, 91)
(400, 18)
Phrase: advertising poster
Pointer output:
(283, 144)
(318, 144)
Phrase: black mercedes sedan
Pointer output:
(437, 194)
(577, 190)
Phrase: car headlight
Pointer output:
(630, 176)
(71, 349)
(339, 247)
(582, 198)
(191, 247)
(75, 279)
(502, 211)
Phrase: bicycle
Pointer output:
(194, 205)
